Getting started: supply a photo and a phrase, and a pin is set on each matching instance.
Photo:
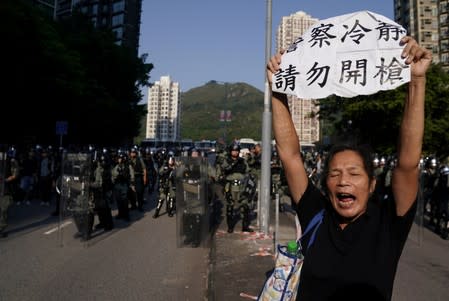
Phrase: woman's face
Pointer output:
(348, 184)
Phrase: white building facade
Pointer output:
(164, 110)
(303, 111)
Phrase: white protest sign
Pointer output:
(347, 55)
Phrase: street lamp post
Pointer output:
(264, 214)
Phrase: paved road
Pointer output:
(135, 261)
(141, 261)
(423, 271)
(241, 260)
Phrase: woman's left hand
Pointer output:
(417, 56)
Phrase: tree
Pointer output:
(375, 119)
(69, 71)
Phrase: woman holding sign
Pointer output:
(358, 245)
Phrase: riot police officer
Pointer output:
(140, 179)
(102, 192)
(167, 187)
(441, 196)
(11, 181)
(123, 179)
(255, 160)
(276, 184)
(235, 169)
(151, 170)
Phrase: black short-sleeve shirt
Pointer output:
(357, 263)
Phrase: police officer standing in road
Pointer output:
(151, 170)
(276, 183)
(102, 193)
(167, 187)
(10, 174)
(255, 160)
(140, 179)
(123, 179)
(235, 169)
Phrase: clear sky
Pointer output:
(195, 41)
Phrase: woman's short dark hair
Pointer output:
(364, 151)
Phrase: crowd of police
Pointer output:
(106, 177)
(435, 192)
(434, 189)
(124, 179)
(25, 176)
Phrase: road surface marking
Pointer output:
(56, 228)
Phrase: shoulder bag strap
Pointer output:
(314, 224)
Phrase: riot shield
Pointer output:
(192, 214)
(76, 198)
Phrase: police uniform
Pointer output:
(102, 193)
(441, 196)
(276, 182)
(140, 179)
(235, 169)
(123, 179)
(166, 188)
(11, 179)
(151, 170)
(255, 162)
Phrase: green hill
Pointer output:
(201, 106)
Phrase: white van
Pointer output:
(245, 145)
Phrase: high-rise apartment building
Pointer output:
(427, 22)
(121, 16)
(303, 111)
(443, 12)
(164, 110)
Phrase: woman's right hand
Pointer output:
(274, 64)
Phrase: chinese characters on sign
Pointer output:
(348, 55)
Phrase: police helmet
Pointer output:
(193, 152)
(444, 170)
(234, 147)
(11, 153)
(134, 149)
(433, 162)
(392, 163)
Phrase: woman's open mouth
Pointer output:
(345, 200)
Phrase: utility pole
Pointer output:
(264, 212)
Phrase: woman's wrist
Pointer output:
(418, 79)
